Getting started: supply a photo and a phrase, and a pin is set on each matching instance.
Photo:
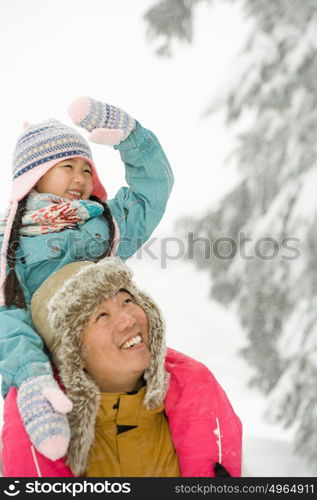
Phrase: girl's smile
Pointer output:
(70, 178)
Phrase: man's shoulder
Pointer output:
(179, 363)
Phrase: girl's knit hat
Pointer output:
(38, 149)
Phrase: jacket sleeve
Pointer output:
(139, 208)
(204, 430)
(21, 349)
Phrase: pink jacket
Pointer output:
(203, 426)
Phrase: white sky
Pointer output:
(54, 51)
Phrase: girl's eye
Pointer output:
(88, 171)
(67, 166)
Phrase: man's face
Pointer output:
(115, 346)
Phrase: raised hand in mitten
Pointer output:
(42, 406)
(108, 124)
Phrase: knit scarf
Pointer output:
(49, 213)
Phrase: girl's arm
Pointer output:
(24, 364)
(21, 349)
(139, 208)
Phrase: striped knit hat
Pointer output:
(38, 149)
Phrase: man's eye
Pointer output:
(101, 315)
(128, 301)
(68, 166)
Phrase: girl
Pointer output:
(57, 215)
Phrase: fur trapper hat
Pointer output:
(61, 308)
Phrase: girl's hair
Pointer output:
(108, 216)
(13, 292)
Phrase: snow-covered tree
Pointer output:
(271, 214)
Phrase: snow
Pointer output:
(275, 457)
(305, 206)
(307, 44)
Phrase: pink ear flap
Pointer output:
(26, 124)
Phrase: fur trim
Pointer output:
(69, 308)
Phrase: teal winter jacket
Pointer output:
(137, 210)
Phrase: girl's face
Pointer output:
(70, 178)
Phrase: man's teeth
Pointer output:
(136, 340)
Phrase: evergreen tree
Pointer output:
(269, 219)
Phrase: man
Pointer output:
(139, 409)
